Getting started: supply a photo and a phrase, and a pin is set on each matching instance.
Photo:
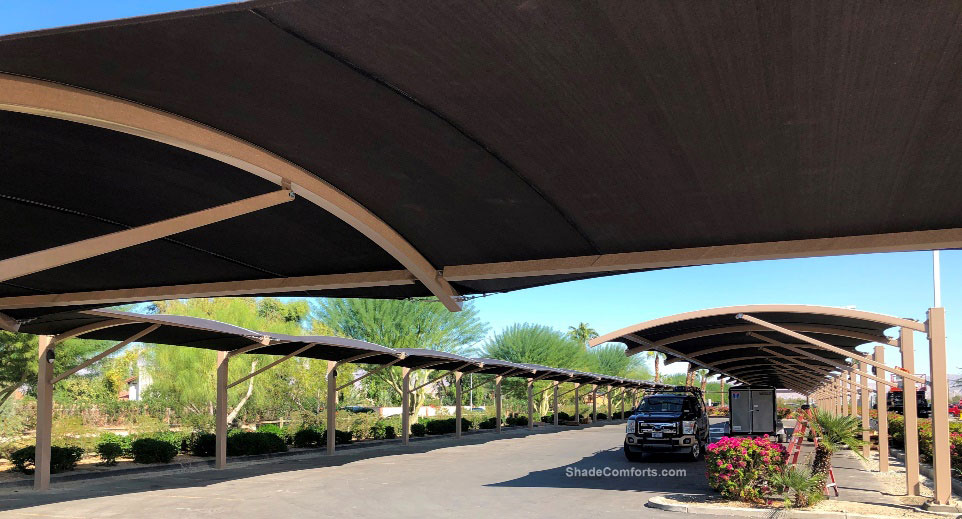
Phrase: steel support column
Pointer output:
(941, 464)
(41, 474)
(608, 398)
(406, 405)
(594, 402)
(556, 383)
(530, 403)
(220, 449)
(881, 391)
(866, 433)
(497, 402)
(911, 413)
(577, 405)
(331, 406)
(457, 404)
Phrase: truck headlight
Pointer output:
(630, 427)
(688, 427)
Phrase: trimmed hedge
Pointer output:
(490, 423)
(309, 438)
(150, 450)
(111, 446)
(62, 459)
(418, 429)
(446, 426)
(249, 443)
(340, 437)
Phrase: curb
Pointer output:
(209, 463)
(659, 503)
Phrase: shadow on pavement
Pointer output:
(609, 470)
(198, 477)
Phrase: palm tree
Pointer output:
(582, 333)
(835, 432)
(703, 375)
(806, 486)
(657, 356)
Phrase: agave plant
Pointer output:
(805, 486)
(835, 432)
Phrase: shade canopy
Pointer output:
(456, 148)
(722, 341)
(195, 332)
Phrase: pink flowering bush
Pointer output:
(743, 468)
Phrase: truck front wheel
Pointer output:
(696, 452)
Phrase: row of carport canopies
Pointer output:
(230, 341)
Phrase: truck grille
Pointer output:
(647, 427)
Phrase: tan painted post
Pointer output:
(497, 402)
(457, 404)
(530, 403)
(577, 405)
(911, 413)
(941, 464)
(220, 450)
(722, 382)
(622, 403)
(405, 405)
(608, 398)
(41, 475)
(866, 433)
(332, 406)
(594, 403)
(853, 392)
(556, 402)
(881, 390)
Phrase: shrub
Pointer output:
(61, 459)
(602, 416)
(446, 426)
(806, 487)
(308, 438)
(418, 429)
(340, 437)
(204, 445)
(121, 441)
(247, 443)
(382, 431)
(784, 412)
(179, 441)
(718, 410)
(743, 468)
(109, 452)
(517, 420)
(490, 423)
(150, 450)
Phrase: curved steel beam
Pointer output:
(47, 99)
(804, 328)
(745, 309)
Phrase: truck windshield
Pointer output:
(661, 404)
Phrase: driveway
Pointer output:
(552, 472)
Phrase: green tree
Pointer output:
(185, 378)
(401, 324)
(535, 344)
(610, 359)
(18, 360)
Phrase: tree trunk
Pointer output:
(657, 367)
(250, 390)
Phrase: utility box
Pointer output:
(752, 410)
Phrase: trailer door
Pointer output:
(763, 411)
(741, 411)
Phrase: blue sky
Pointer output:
(897, 284)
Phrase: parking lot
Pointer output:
(551, 472)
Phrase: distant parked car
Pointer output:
(954, 409)
(357, 409)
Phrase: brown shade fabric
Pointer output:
(490, 131)
(195, 332)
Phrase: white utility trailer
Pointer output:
(752, 411)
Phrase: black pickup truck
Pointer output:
(671, 421)
(894, 400)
